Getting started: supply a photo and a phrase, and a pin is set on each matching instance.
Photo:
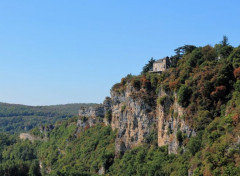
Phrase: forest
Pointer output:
(16, 118)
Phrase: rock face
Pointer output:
(135, 114)
(171, 126)
(92, 111)
(96, 111)
(90, 116)
(88, 122)
(107, 104)
(133, 118)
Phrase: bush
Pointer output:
(203, 119)
(237, 86)
(136, 83)
(116, 86)
(237, 73)
(183, 95)
(219, 92)
(179, 136)
(194, 145)
(195, 58)
(123, 108)
(108, 116)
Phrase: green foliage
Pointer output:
(142, 160)
(67, 152)
(183, 95)
(202, 120)
(237, 86)
(234, 57)
(195, 58)
(17, 157)
(152, 137)
(123, 108)
(136, 83)
(108, 116)
(194, 144)
(148, 66)
(19, 118)
(186, 49)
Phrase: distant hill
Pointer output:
(16, 118)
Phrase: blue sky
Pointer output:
(59, 51)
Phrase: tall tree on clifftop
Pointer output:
(148, 66)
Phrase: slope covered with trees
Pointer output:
(16, 118)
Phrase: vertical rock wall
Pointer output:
(132, 117)
(171, 123)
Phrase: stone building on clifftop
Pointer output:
(161, 65)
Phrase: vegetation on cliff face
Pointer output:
(206, 82)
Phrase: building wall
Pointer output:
(160, 66)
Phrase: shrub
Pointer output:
(151, 138)
(235, 119)
(123, 108)
(219, 92)
(194, 145)
(183, 95)
(209, 53)
(174, 84)
(108, 116)
(237, 73)
(195, 58)
(179, 136)
(203, 119)
(136, 83)
(225, 51)
(116, 86)
(234, 57)
(237, 86)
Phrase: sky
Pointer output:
(74, 51)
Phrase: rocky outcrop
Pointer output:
(132, 117)
(172, 128)
(97, 110)
(92, 111)
(135, 118)
(107, 104)
(90, 116)
(135, 113)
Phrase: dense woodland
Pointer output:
(207, 82)
(16, 118)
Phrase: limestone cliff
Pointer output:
(136, 113)
(132, 116)
(172, 129)
(90, 116)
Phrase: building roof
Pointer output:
(161, 60)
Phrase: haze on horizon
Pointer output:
(58, 52)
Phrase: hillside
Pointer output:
(17, 118)
(183, 121)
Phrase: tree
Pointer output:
(224, 42)
(224, 49)
(148, 66)
(183, 95)
(184, 50)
